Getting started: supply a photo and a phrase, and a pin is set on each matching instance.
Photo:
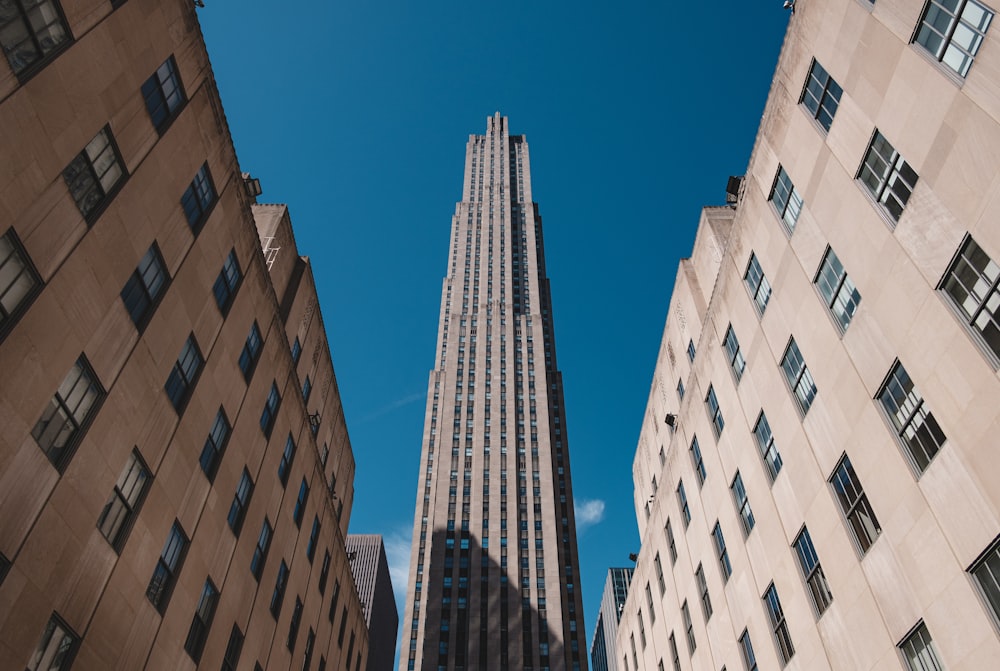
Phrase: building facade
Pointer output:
(493, 571)
(816, 482)
(370, 568)
(603, 654)
(175, 469)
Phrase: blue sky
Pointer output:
(356, 114)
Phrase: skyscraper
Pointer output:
(602, 649)
(370, 569)
(493, 571)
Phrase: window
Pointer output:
(215, 445)
(238, 508)
(227, 282)
(307, 657)
(233, 649)
(293, 625)
(778, 625)
(786, 200)
(167, 567)
(4, 567)
(313, 539)
(199, 198)
(642, 629)
(56, 647)
(812, 571)
(706, 601)
(270, 412)
(278, 595)
(251, 352)
(635, 657)
(919, 651)
(121, 509)
(986, 571)
(95, 174)
(887, 177)
(181, 381)
(682, 501)
(260, 552)
(287, 457)
(697, 461)
(31, 33)
(690, 350)
(952, 30)
(674, 653)
(914, 424)
(202, 621)
(296, 350)
(649, 604)
(69, 413)
(163, 94)
(300, 503)
(736, 361)
(837, 289)
(821, 95)
(306, 389)
(742, 504)
(324, 572)
(680, 389)
(757, 284)
(333, 600)
(746, 650)
(854, 504)
(688, 627)
(714, 413)
(972, 284)
(720, 551)
(661, 583)
(768, 452)
(671, 543)
(145, 287)
(19, 282)
(799, 378)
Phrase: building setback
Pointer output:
(493, 571)
(602, 650)
(176, 476)
(819, 446)
(370, 568)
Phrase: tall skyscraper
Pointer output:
(370, 568)
(493, 570)
(602, 650)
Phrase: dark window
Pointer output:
(19, 281)
(121, 509)
(706, 600)
(778, 625)
(674, 653)
(671, 542)
(837, 289)
(164, 95)
(986, 571)
(768, 451)
(4, 567)
(307, 389)
(313, 539)
(296, 350)
(952, 31)
(56, 647)
(324, 571)
(202, 621)
(199, 198)
(799, 378)
(786, 199)
(260, 552)
(278, 595)
(287, 458)
(913, 423)
(251, 352)
(215, 445)
(742, 503)
(350, 650)
(181, 381)
(854, 504)
(69, 413)
(233, 649)
(227, 282)
(167, 568)
(815, 579)
(887, 177)
(690, 350)
(649, 605)
(682, 501)
(697, 461)
(714, 412)
(973, 284)
(919, 651)
(659, 574)
(95, 174)
(270, 410)
(300, 503)
(343, 627)
(721, 552)
(145, 287)
(757, 284)
(736, 361)
(31, 33)
(821, 95)
(688, 627)
(333, 600)
(680, 389)
(241, 501)
(310, 642)
(293, 624)
(746, 650)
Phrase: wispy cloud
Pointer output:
(588, 513)
(395, 405)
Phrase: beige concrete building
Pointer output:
(816, 481)
(494, 575)
(175, 469)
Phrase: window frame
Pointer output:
(286, 461)
(201, 621)
(199, 199)
(967, 251)
(16, 251)
(688, 627)
(766, 446)
(122, 527)
(60, 455)
(269, 416)
(300, 504)
(803, 377)
(788, 197)
(816, 583)
(671, 541)
(137, 285)
(181, 378)
(706, 599)
(824, 96)
(84, 173)
(60, 656)
(743, 508)
(155, 97)
(722, 553)
(215, 445)
(313, 539)
(165, 573)
(919, 411)
(682, 503)
(280, 585)
(715, 417)
(737, 362)
(241, 502)
(746, 651)
(234, 648)
(227, 284)
(249, 356)
(259, 557)
(32, 68)
(759, 286)
(984, 560)
(843, 293)
(844, 471)
(927, 663)
(779, 624)
(880, 185)
(956, 74)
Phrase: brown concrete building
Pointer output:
(175, 470)
(494, 576)
(816, 480)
